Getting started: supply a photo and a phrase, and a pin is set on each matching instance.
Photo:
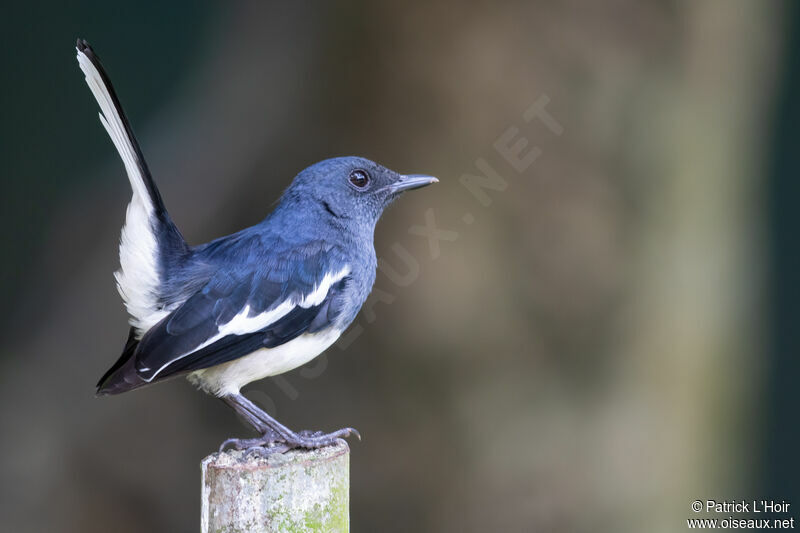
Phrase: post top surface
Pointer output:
(240, 459)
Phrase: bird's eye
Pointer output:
(359, 178)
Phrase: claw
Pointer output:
(225, 443)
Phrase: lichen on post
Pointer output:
(295, 491)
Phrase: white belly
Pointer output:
(229, 378)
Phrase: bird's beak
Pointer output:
(411, 181)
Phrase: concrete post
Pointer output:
(297, 491)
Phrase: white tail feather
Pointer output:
(138, 278)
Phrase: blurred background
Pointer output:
(602, 335)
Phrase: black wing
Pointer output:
(230, 317)
(297, 322)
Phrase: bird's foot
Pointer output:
(275, 437)
(270, 443)
(263, 445)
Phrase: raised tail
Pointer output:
(150, 242)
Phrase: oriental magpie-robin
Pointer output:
(253, 304)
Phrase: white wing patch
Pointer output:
(137, 279)
(243, 323)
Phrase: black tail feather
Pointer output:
(119, 378)
(171, 241)
(155, 195)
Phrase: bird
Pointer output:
(256, 303)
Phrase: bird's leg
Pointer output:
(277, 432)
(249, 417)
(268, 436)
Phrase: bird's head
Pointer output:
(353, 188)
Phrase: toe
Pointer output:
(346, 432)
(267, 449)
(227, 443)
